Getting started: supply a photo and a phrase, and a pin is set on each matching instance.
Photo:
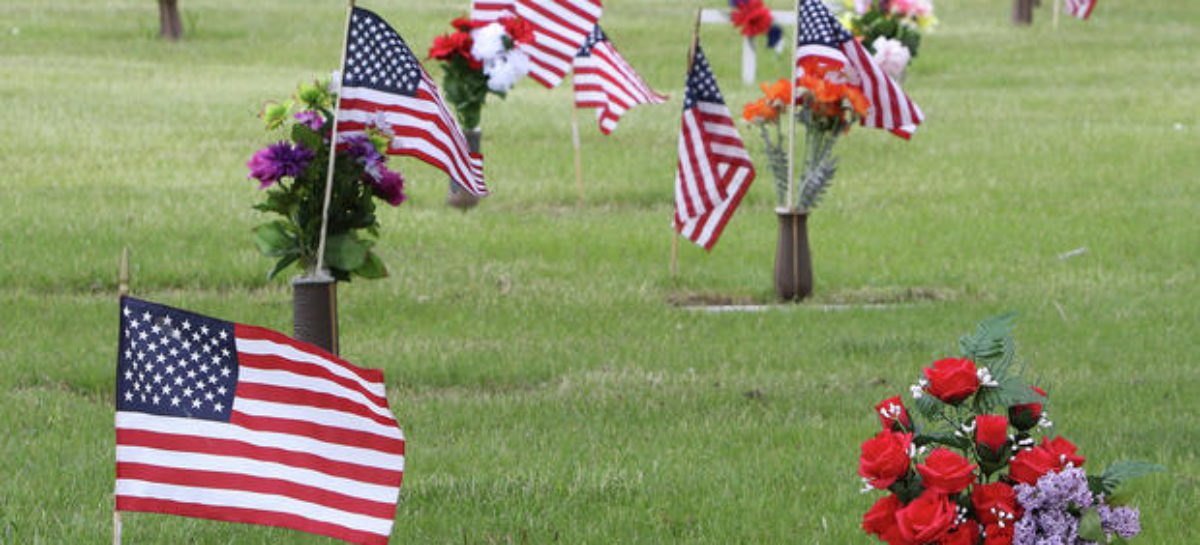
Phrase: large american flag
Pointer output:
(1080, 8)
(560, 28)
(714, 170)
(605, 81)
(822, 37)
(383, 80)
(239, 423)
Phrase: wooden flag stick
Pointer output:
(691, 60)
(122, 290)
(791, 181)
(333, 142)
(1057, 6)
(578, 152)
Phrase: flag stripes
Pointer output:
(1080, 8)
(560, 29)
(604, 80)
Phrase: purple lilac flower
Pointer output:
(389, 186)
(361, 148)
(277, 161)
(1124, 521)
(311, 119)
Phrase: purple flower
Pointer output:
(389, 186)
(277, 161)
(361, 148)
(1124, 521)
(311, 119)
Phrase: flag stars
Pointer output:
(196, 403)
(219, 407)
(128, 395)
(187, 392)
(175, 401)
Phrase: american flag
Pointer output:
(605, 81)
(238, 423)
(384, 83)
(560, 28)
(714, 170)
(822, 37)
(1080, 8)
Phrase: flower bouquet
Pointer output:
(890, 29)
(481, 57)
(970, 470)
(292, 172)
(752, 19)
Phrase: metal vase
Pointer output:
(456, 196)
(793, 262)
(1022, 13)
(314, 311)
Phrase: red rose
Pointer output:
(1025, 417)
(880, 520)
(995, 502)
(518, 29)
(1052, 455)
(885, 458)
(752, 17)
(946, 471)
(893, 415)
(998, 535)
(1063, 452)
(927, 518)
(991, 431)
(966, 533)
(447, 45)
(952, 380)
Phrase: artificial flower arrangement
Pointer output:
(969, 471)
(292, 172)
(890, 29)
(828, 102)
(478, 58)
(752, 19)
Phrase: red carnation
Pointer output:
(518, 29)
(1025, 417)
(880, 520)
(952, 379)
(927, 518)
(463, 24)
(447, 45)
(966, 533)
(893, 415)
(991, 431)
(885, 458)
(946, 471)
(995, 502)
(752, 17)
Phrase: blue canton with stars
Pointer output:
(594, 38)
(377, 57)
(172, 362)
(819, 27)
(701, 83)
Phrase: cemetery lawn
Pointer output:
(549, 377)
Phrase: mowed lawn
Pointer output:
(550, 385)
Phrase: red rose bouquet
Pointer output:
(478, 58)
(968, 469)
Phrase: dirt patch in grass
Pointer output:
(853, 297)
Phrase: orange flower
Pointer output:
(829, 92)
(858, 100)
(818, 66)
(759, 112)
(778, 93)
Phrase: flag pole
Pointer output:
(691, 61)
(122, 290)
(792, 109)
(578, 152)
(1057, 5)
(333, 142)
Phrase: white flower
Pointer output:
(917, 391)
(488, 42)
(985, 378)
(503, 71)
(891, 56)
(335, 81)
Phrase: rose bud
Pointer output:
(927, 518)
(1025, 417)
(946, 471)
(893, 415)
(885, 458)
(880, 519)
(991, 431)
(952, 380)
(995, 502)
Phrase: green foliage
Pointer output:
(466, 90)
(1119, 473)
(876, 22)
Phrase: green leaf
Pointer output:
(346, 252)
(274, 239)
(307, 137)
(992, 343)
(372, 268)
(1120, 472)
(282, 264)
(1090, 528)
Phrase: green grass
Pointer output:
(548, 388)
